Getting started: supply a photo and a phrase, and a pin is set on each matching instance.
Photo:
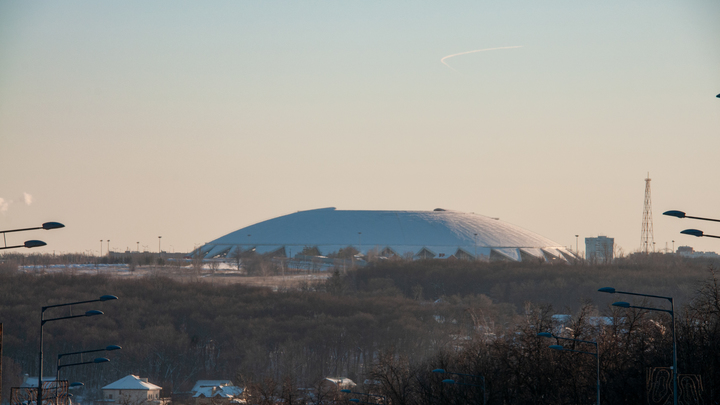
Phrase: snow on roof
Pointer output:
(211, 383)
(132, 382)
(227, 391)
(341, 381)
(403, 231)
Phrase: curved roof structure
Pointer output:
(424, 234)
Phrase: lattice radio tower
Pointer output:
(648, 239)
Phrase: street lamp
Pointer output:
(681, 214)
(671, 311)
(31, 243)
(27, 244)
(95, 361)
(355, 400)
(693, 232)
(698, 233)
(561, 348)
(42, 324)
(451, 381)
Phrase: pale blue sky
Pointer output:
(129, 120)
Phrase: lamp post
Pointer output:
(476, 243)
(451, 381)
(95, 361)
(355, 400)
(681, 214)
(596, 354)
(671, 311)
(693, 232)
(42, 324)
(27, 244)
(30, 243)
(105, 349)
(698, 233)
(577, 252)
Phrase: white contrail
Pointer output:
(477, 50)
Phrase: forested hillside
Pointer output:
(391, 322)
(176, 333)
(560, 285)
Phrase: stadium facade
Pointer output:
(437, 234)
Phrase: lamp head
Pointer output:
(556, 347)
(346, 391)
(101, 360)
(621, 304)
(609, 290)
(34, 243)
(545, 334)
(112, 347)
(76, 384)
(108, 298)
(52, 225)
(449, 381)
(439, 370)
(673, 213)
(93, 312)
(693, 232)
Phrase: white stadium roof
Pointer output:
(439, 234)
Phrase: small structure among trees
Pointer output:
(133, 390)
(217, 392)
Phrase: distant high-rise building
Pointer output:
(599, 250)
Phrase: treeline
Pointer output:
(391, 323)
(176, 333)
(564, 286)
(518, 367)
(10, 260)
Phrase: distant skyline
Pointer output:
(132, 120)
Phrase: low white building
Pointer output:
(133, 390)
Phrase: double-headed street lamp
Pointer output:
(30, 243)
(95, 361)
(42, 324)
(693, 232)
(455, 382)
(561, 348)
(671, 311)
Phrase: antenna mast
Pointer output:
(648, 239)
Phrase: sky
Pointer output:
(189, 120)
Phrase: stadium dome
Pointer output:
(435, 234)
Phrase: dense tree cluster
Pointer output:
(389, 325)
